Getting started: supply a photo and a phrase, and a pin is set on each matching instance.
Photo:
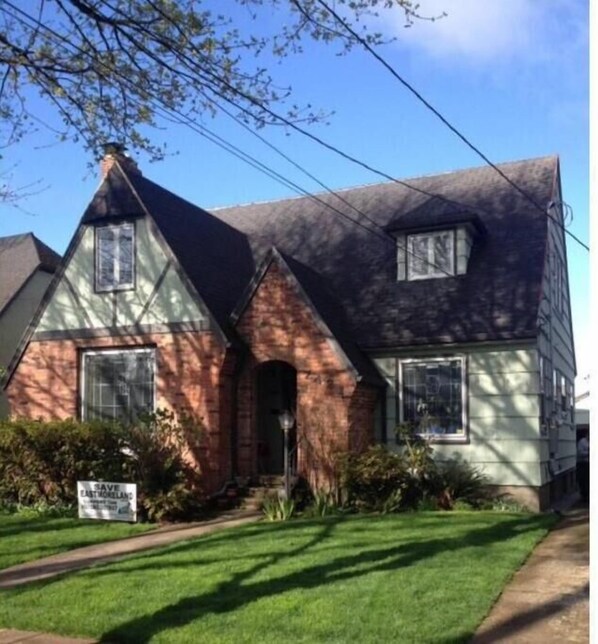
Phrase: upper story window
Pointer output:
(115, 257)
(435, 239)
(431, 254)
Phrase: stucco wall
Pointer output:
(76, 305)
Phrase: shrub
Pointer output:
(457, 480)
(41, 462)
(370, 478)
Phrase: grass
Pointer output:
(25, 537)
(426, 577)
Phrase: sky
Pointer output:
(512, 75)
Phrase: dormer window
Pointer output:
(431, 254)
(115, 257)
(435, 239)
(434, 253)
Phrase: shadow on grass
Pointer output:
(236, 592)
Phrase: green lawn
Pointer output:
(427, 577)
(25, 538)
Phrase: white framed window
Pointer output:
(115, 257)
(431, 254)
(433, 396)
(117, 384)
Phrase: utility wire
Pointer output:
(444, 120)
(237, 152)
(201, 73)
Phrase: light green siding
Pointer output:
(503, 410)
(555, 346)
(76, 305)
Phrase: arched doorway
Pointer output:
(276, 392)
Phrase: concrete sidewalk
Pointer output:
(113, 550)
(547, 602)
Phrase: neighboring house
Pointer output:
(448, 307)
(27, 266)
(583, 405)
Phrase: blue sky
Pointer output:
(511, 74)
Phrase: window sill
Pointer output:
(115, 289)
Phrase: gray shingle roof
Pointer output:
(20, 256)
(497, 299)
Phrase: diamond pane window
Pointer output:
(432, 396)
(118, 385)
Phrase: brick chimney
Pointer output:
(117, 152)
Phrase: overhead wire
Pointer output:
(445, 121)
(237, 152)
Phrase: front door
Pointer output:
(277, 392)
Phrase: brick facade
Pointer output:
(335, 412)
(193, 374)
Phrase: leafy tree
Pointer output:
(113, 69)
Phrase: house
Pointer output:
(446, 305)
(27, 266)
(583, 404)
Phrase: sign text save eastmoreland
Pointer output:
(108, 501)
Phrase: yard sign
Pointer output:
(108, 501)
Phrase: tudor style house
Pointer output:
(445, 305)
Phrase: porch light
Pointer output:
(286, 420)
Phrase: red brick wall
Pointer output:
(193, 374)
(334, 412)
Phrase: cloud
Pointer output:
(484, 31)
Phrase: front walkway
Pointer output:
(113, 550)
(547, 602)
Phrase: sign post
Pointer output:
(107, 501)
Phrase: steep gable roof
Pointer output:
(20, 256)
(497, 299)
(215, 257)
(326, 309)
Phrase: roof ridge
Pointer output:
(403, 180)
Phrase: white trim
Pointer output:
(433, 270)
(464, 393)
(91, 352)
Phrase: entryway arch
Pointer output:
(276, 392)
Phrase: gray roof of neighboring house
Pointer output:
(20, 256)
(497, 299)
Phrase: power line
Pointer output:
(192, 64)
(444, 120)
(237, 152)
